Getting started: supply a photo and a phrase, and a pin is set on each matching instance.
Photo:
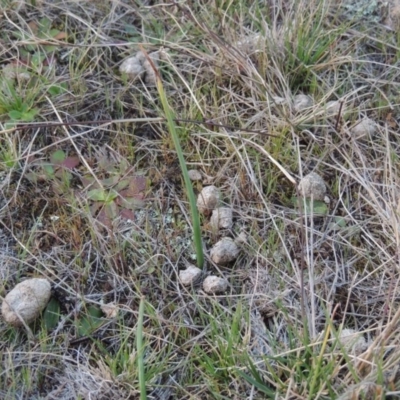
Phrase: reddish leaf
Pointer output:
(127, 214)
(60, 36)
(104, 219)
(130, 202)
(70, 162)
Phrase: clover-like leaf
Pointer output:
(315, 207)
(58, 157)
(103, 195)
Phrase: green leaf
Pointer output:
(97, 195)
(315, 207)
(102, 195)
(55, 90)
(29, 115)
(88, 323)
(58, 157)
(259, 385)
(48, 169)
(15, 115)
(51, 314)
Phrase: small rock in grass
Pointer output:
(221, 218)
(301, 102)
(139, 66)
(312, 186)
(241, 239)
(194, 175)
(110, 310)
(224, 251)
(249, 44)
(190, 275)
(333, 107)
(27, 300)
(279, 100)
(208, 199)
(363, 128)
(353, 341)
(213, 284)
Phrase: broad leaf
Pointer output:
(58, 157)
(315, 207)
(88, 323)
(51, 315)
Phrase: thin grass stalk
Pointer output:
(140, 352)
(188, 184)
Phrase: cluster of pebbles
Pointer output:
(363, 128)
(225, 251)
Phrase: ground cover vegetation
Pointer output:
(94, 197)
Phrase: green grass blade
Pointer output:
(188, 184)
(140, 351)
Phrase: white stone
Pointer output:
(241, 239)
(333, 108)
(208, 199)
(194, 175)
(312, 186)
(213, 284)
(139, 66)
(224, 251)
(132, 67)
(27, 300)
(221, 218)
(363, 128)
(353, 341)
(110, 310)
(190, 275)
(301, 102)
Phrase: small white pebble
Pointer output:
(213, 284)
(333, 108)
(221, 218)
(190, 275)
(132, 67)
(241, 239)
(208, 199)
(301, 102)
(353, 341)
(279, 100)
(312, 185)
(364, 128)
(110, 310)
(224, 251)
(194, 175)
(139, 66)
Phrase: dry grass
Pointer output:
(231, 71)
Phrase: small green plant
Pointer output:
(42, 31)
(188, 184)
(57, 170)
(117, 195)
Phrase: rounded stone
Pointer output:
(27, 300)
(364, 128)
(208, 199)
(194, 175)
(213, 284)
(353, 341)
(301, 102)
(221, 218)
(312, 186)
(190, 275)
(224, 251)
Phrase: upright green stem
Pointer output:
(140, 352)
(188, 184)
